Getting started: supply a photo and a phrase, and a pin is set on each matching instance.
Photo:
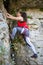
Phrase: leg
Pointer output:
(31, 46)
(27, 39)
(15, 29)
(14, 32)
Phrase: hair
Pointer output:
(24, 15)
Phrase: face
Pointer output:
(18, 14)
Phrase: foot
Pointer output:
(34, 56)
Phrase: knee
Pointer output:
(28, 45)
(14, 29)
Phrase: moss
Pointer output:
(30, 17)
(41, 9)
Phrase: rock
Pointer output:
(5, 58)
(36, 35)
(22, 52)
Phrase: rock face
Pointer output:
(4, 42)
(36, 32)
(22, 51)
(15, 4)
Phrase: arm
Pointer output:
(14, 18)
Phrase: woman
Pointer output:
(22, 27)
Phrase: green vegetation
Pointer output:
(41, 9)
(30, 17)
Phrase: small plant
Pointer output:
(41, 9)
(30, 17)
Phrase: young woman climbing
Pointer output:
(23, 28)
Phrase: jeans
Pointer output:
(25, 33)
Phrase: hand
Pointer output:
(9, 16)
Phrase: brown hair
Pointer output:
(24, 15)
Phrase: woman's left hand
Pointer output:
(9, 16)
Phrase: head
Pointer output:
(22, 14)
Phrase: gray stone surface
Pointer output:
(4, 42)
(23, 52)
(36, 33)
(23, 55)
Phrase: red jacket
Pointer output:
(22, 24)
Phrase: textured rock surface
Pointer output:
(5, 58)
(22, 51)
(36, 32)
(27, 3)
